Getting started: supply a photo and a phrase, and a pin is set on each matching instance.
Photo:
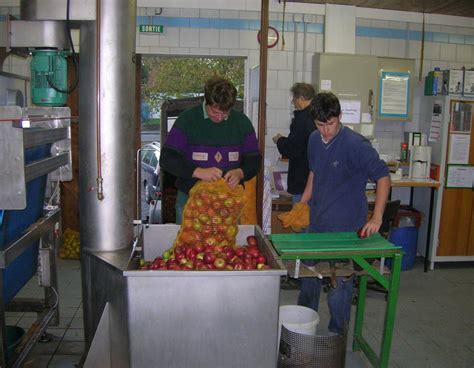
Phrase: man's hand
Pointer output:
(207, 174)
(276, 138)
(371, 227)
(233, 177)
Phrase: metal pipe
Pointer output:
(99, 180)
(107, 150)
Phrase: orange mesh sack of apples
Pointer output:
(211, 215)
(206, 239)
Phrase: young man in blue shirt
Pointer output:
(340, 163)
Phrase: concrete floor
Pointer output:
(434, 325)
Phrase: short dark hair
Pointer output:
(304, 90)
(325, 106)
(221, 92)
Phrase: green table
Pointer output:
(340, 246)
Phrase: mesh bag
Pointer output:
(305, 351)
(211, 215)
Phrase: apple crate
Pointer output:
(203, 318)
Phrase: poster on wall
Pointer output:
(350, 112)
(459, 145)
(394, 94)
(436, 122)
(460, 176)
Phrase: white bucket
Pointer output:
(299, 319)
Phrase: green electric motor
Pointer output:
(49, 78)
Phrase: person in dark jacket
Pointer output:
(295, 146)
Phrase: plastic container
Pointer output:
(14, 336)
(299, 319)
(407, 238)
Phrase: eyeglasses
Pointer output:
(217, 113)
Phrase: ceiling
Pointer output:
(463, 8)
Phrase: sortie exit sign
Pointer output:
(148, 28)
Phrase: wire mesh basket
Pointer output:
(305, 351)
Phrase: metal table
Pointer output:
(334, 246)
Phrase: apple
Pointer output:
(219, 263)
(210, 212)
(207, 231)
(231, 231)
(218, 249)
(187, 224)
(209, 257)
(253, 251)
(197, 225)
(189, 265)
(361, 234)
(252, 240)
(229, 202)
(240, 251)
(238, 266)
(166, 254)
(179, 257)
(261, 259)
(198, 248)
(216, 220)
(208, 249)
(200, 256)
(222, 195)
(190, 254)
(203, 218)
(229, 253)
(248, 266)
(229, 220)
(224, 212)
(210, 241)
(217, 205)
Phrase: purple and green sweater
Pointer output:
(196, 141)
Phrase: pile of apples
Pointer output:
(202, 257)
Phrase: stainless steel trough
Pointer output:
(187, 318)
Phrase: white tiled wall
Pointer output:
(284, 65)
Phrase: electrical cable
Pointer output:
(74, 58)
(57, 297)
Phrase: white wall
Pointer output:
(451, 45)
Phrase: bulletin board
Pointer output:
(394, 96)
(397, 73)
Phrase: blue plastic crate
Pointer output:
(14, 223)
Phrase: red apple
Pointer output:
(252, 240)
(261, 259)
(209, 257)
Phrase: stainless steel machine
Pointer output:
(33, 143)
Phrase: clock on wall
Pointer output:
(272, 38)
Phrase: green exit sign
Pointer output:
(151, 29)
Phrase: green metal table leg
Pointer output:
(390, 310)
(360, 312)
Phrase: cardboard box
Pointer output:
(468, 83)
